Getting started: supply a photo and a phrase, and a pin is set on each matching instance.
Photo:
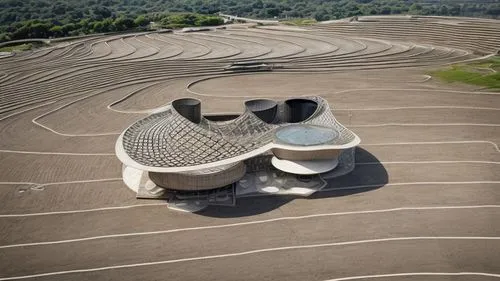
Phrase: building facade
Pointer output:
(192, 160)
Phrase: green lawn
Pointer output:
(17, 48)
(482, 73)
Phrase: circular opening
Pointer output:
(260, 104)
(305, 135)
(185, 101)
(189, 108)
(265, 109)
(298, 110)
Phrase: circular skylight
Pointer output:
(305, 135)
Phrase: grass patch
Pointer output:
(17, 48)
(299, 22)
(493, 63)
(481, 73)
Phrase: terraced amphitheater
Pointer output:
(422, 202)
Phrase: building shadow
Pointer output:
(369, 174)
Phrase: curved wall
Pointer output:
(189, 108)
(263, 108)
(298, 110)
(296, 155)
(305, 167)
(201, 180)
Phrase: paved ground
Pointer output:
(422, 203)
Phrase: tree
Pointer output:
(124, 23)
(415, 8)
(258, 4)
(141, 21)
(59, 8)
(321, 15)
(98, 26)
(67, 28)
(86, 25)
(209, 21)
(108, 25)
(40, 30)
(4, 37)
(57, 31)
(21, 19)
(443, 11)
(101, 13)
(385, 10)
(493, 11)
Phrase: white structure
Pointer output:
(285, 147)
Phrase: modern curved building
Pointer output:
(285, 147)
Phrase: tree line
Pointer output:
(53, 18)
(52, 28)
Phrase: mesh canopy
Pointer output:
(172, 139)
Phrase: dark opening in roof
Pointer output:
(265, 109)
(189, 108)
(221, 117)
(298, 110)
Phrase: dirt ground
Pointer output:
(423, 202)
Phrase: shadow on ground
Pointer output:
(363, 178)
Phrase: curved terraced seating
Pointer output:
(474, 35)
(428, 162)
(110, 61)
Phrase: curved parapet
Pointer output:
(265, 109)
(305, 136)
(300, 155)
(180, 140)
(311, 167)
(188, 108)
